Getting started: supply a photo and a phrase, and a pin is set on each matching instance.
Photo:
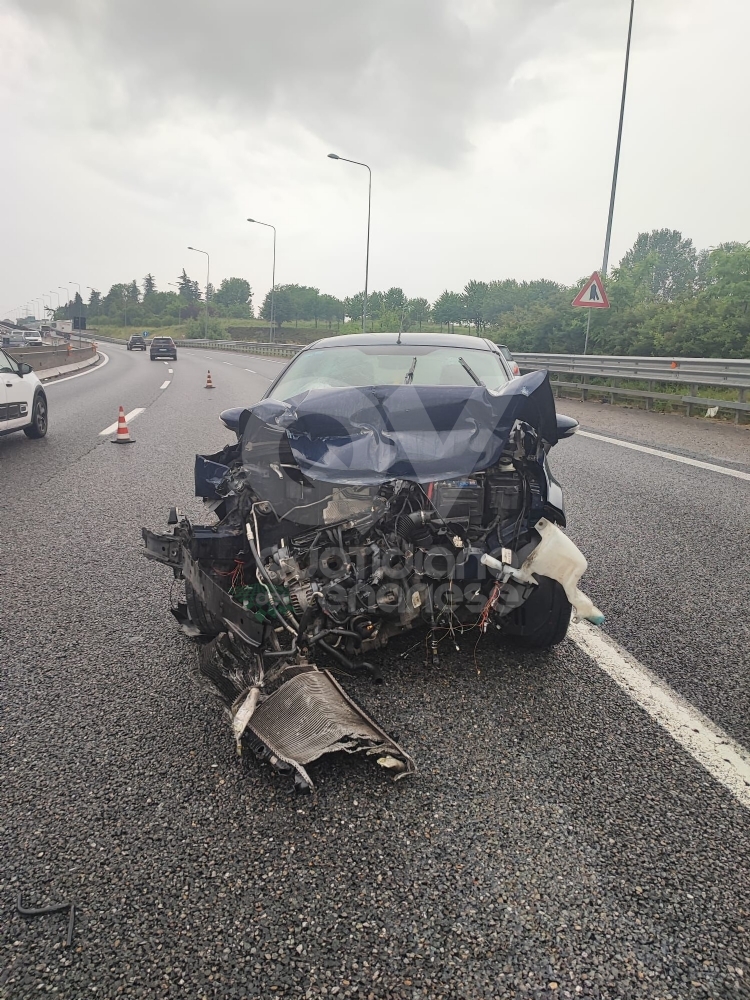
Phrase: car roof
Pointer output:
(405, 340)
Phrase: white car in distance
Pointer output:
(23, 401)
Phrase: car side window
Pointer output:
(7, 365)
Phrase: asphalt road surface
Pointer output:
(558, 841)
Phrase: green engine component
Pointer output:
(255, 598)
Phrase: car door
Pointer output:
(19, 394)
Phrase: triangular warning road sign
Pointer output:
(592, 295)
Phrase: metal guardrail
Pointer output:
(245, 347)
(732, 372)
(728, 373)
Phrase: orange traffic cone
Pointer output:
(209, 384)
(123, 434)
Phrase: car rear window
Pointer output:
(330, 367)
(163, 340)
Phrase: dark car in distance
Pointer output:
(163, 347)
(137, 342)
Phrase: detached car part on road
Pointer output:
(23, 401)
(385, 482)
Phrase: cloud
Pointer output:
(412, 75)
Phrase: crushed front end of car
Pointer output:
(344, 517)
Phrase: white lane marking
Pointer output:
(165, 384)
(736, 473)
(171, 371)
(252, 372)
(88, 371)
(128, 417)
(165, 362)
(228, 363)
(726, 760)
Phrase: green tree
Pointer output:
(233, 293)
(189, 289)
(450, 308)
(672, 258)
(419, 311)
(331, 309)
(475, 304)
(149, 285)
(95, 303)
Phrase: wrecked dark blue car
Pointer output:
(386, 482)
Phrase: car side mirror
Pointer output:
(566, 426)
(24, 369)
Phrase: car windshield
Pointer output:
(331, 367)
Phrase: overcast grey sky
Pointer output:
(133, 128)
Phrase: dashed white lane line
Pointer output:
(736, 473)
(724, 759)
(171, 371)
(165, 384)
(228, 363)
(128, 417)
(252, 372)
(88, 371)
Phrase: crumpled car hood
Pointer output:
(371, 435)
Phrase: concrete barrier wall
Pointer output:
(41, 358)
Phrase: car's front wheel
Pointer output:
(38, 426)
(542, 621)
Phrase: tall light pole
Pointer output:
(65, 289)
(208, 272)
(273, 274)
(334, 156)
(79, 316)
(605, 262)
(179, 302)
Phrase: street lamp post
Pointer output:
(208, 273)
(605, 262)
(79, 317)
(334, 156)
(65, 289)
(179, 302)
(273, 275)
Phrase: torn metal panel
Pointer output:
(311, 715)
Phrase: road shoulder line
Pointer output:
(723, 470)
(724, 759)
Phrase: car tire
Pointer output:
(199, 614)
(38, 426)
(542, 621)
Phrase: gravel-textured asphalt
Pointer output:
(555, 842)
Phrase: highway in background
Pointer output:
(556, 842)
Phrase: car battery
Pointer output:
(460, 501)
(504, 495)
